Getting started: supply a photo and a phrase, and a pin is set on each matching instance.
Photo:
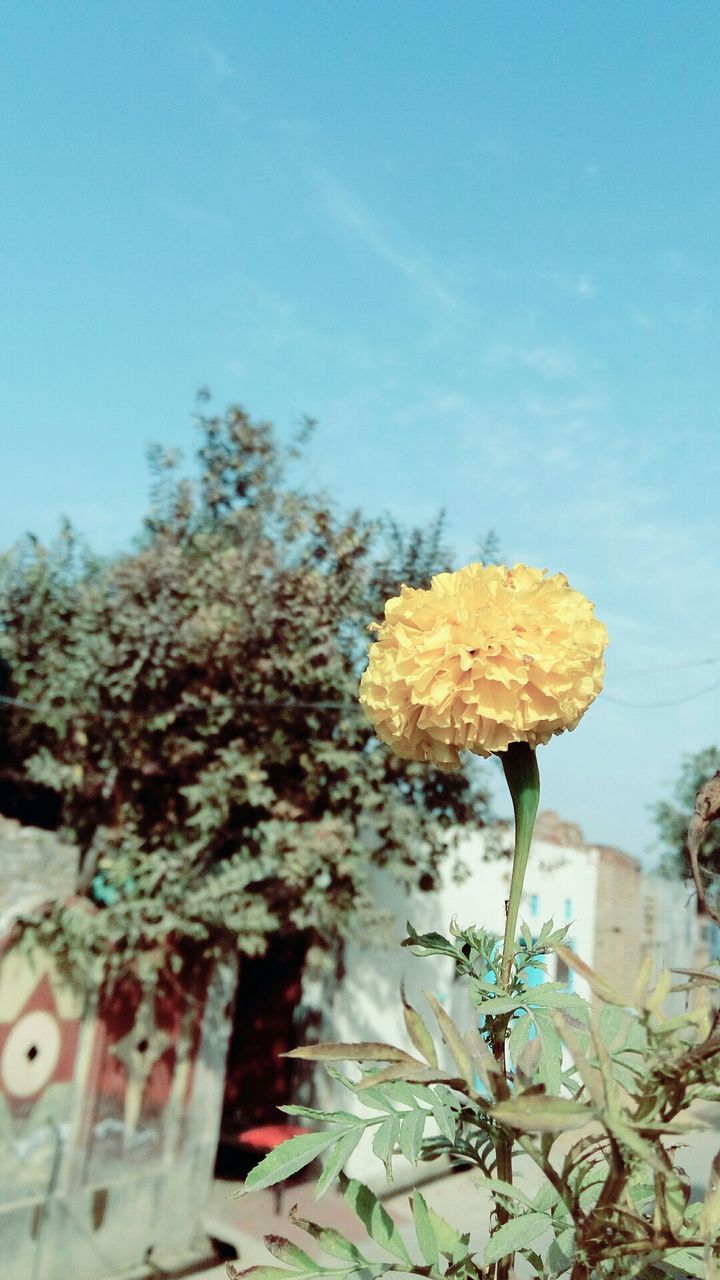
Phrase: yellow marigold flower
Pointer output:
(487, 656)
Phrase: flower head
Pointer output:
(485, 657)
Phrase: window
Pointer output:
(563, 972)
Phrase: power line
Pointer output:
(46, 709)
(674, 666)
(669, 702)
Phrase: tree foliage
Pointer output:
(192, 704)
(672, 817)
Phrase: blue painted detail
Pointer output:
(103, 893)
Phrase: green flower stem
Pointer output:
(523, 779)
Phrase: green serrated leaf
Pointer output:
(444, 1116)
(338, 1159)
(375, 1095)
(519, 1036)
(385, 1142)
(641, 1192)
(507, 1190)
(709, 1221)
(565, 1238)
(549, 1068)
(558, 1263)
(590, 1191)
(546, 1197)
(291, 1156)
(412, 1127)
(428, 943)
(500, 1005)
(376, 1220)
(689, 1260)
(513, 1235)
(285, 1251)
(626, 1134)
(610, 1023)
(330, 1240)
(311, 1113)
(424, 1230)
(410, 1094)
(548, 996)
(451, 1243)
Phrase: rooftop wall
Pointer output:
(35, 866)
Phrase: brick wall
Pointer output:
(552, 829)
(619, 927)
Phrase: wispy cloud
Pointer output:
(216, 61)
(643, 318)
(295, 127)
(586, 286)
(675, 262)
(194, 217)
(581, 285)
(496, 146)
(556, 362)
(349, 213)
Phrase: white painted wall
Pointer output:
(560, 885)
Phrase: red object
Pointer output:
(268, 1136)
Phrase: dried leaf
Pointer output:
(417, 1030)
(367, 1051)
(541, 1114)
(412, 1072)
(598, 985)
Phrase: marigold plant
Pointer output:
(497, 660)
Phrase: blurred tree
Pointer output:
(673, 817)
(196, 709)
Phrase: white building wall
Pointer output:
(560, 885)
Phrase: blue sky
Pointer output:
(477, 241)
